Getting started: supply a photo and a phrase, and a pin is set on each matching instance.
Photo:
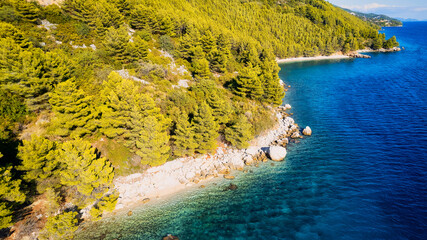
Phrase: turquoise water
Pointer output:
(362, 175)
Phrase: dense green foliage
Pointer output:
(106, 204)
(239, 133)
(83, 170)
(12, 111)
(60, 226)
(39, 162)
(160, 79)
(10, 194)
(184, 140)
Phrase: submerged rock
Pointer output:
(231, 187)
(307, 131)
(277, 153)
(170, 237)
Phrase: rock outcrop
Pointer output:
(307, 131)
(277, 153)
(296, 135)
(358, 55)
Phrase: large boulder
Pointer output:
(307, 131)
(277, 153)
(296, 135)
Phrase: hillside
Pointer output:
(91, 90)
(377, 19)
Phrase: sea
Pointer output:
(361, 175)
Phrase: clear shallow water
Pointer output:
(362, 175)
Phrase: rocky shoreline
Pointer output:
(382, 50)
(358, 54)
(178, 174)
(339, 55)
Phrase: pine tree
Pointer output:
(188, 43)
(205, 128)
(99, 15)
(123, 6)
(7, 30)
(248, 84)
(269, 77)
(137, 49)
(27, 11)
(199, 64)
(61, 226)
(218, 61)
(31, 73)
(391, 43)
(115, 43)
(223, 45)
(142, 107)
(10, 193)
(208, 42)
(106, 204)
(79, 9)
(39, 161)
(163, 25)
(152, 145)
(354, 44)
(184, 141)
(200, 68)
(140, 17)
(74, 113)
(239, 133)
(103, 16)
(377, 44)
(12, 110)
(221, 108)
(273, 90)
(346, 48)
(83, 169)
(117, 99)
(5, 215)
(53, 199)
(9, 188)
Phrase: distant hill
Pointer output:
(377, 19)
(410, 20)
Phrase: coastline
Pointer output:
(382, 50)
(303, 59)
(182, 173)
(338, 55)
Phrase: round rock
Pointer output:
(277, 153)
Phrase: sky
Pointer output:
(416, 9)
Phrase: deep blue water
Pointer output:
(362, 175)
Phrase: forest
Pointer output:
(91, 90)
